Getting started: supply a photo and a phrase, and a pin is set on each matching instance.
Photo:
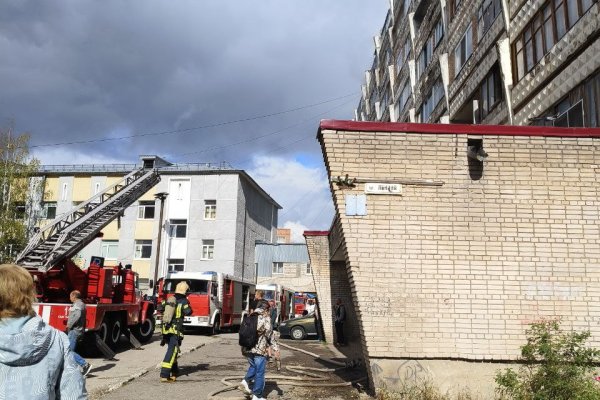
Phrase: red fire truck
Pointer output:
(284, 298)
(113, 300)
(218, 300)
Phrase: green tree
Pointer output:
(16, 168)
(557, 365)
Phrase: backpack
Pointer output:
(169, 312)
(248, 336)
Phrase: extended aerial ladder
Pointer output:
(70, 232)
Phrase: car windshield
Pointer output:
(269, 294)
(196, 286)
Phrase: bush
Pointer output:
(557, 366)
(422, 390)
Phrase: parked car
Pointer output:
(299, 328)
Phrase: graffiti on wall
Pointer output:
(390, 373)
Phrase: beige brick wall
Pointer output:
(460, 270)
(318, 253)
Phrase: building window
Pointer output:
(143, 249)
(278, 268)
(405, 6)
(431, 101)
(19, 210)
(430, 45)
(403, 54)
(65, 192)
(146, 210)
(210, 209)
(403, 99)
(546, 28)
(463, 50)
(178, 228)
(208, 249)
(490, 93)
(110, 249)
(176, 264)
(571, 117)
(308, 269)
(49, 210)
(486, 15)
(454, 7)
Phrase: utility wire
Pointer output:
(193, 128)
(276, 132)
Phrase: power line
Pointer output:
(276, 132)
(193, 128)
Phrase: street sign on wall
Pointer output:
(383, 188)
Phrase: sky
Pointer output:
(240, 81)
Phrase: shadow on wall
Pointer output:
(340, 289)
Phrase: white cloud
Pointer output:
(297, 229)
(63, 156)
(302, 191)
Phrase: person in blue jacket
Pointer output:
(35, 360)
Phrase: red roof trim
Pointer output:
(457, 129)
(316, 233)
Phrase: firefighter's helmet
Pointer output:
(182, 288)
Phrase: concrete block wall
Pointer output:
(460, 270)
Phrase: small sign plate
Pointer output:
(383, 188)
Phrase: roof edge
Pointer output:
(316, 233)
(456, 129)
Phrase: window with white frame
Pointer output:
(308, 269)
(176, 264)
(49, 210)
(178, 228)
(463, 50)
(210, 209)
(278, 268)
(109, 249)
(146, 210)
(208, 249)
(143, 249)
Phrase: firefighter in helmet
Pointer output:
(174, 308)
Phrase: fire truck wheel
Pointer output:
(114, 332)
(103, 331)
(144, 331)
(215, 330)
(297, 333)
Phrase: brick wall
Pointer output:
(460, 270)
(318, 252)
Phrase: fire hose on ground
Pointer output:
(311, 377)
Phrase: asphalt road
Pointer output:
(207, 360)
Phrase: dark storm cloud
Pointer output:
(77, 70)
(85, 70)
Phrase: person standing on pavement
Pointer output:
(35, 360)
(173, 331)
(257, 355)
(76, 328)
(340, 318)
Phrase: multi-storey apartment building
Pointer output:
(514, 62)
(212, 215)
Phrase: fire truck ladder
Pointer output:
(70, 232)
